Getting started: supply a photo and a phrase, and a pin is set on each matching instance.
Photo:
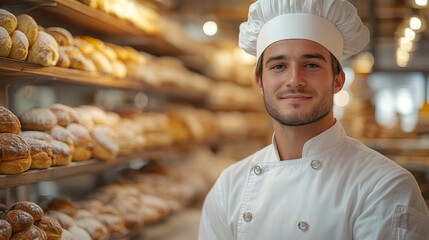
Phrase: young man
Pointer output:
(313, 181)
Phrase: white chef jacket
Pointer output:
(339, 190)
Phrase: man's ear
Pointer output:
(339, 81)
(259, 85)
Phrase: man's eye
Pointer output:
(279, 66)
(311, 65)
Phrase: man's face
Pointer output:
(297, 82)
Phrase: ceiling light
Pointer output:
(415, 23)
(210, 28)
(421, 3)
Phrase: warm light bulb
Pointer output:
(421, 3)
(415, 23)
(210, 28)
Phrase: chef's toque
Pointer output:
(333, 24)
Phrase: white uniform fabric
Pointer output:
(339, 190)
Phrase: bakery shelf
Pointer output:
(81, 19)
(82, 167)
(27, 73)
(389, 144)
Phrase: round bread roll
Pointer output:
(83, 144)
(115, 224)
(66, 235)
(62, 134)
(30, 207)
(40, 119)
(30, 233)
(79, 233)
(51, 227)
(62, 153)
(14, 154)
(44, 50)
(18, 219)
(63, 58)
(5, 230)
(20, 45)
(63, 219)
(5, 43)
(9, 122)
(7, 20)
(96, 229)
(105, 146)
(63, 204)
(101, 62)
(58, 107)
(41, 153)
(82, 63)
(61, 35)
(28, 26)
(43, 136)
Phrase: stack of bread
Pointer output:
(26, 220)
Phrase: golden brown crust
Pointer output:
(28, 26)
(7, 20)
(44, 50)
(62, 134)
(51, 227)
(41, 153)
(5, 43)
(30, 233)
(18, 219)
(63, 204)
(40, 119)
(20, 45)
(30, 207)
(9, 122)
(82, 141)
(61, 35)
(105, 146)
(96, 229)
(13, 147)
(63, 219)
(5, 230)
(67, 109)
(63, 59)
(62, 153)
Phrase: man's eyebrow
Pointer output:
(304, 56)
(275, 58)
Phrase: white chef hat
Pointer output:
(334, 24)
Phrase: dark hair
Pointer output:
(336, 66)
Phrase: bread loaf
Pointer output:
(15, 154)
(62, 134)
(96, 230)
(105, 146)
(30, 207)
(40, 119)
(37, 135)
(20, 45)
(41, 153)
(66, 235)
(62, 204)
(61, 35)
(79, 233)
(5, 43)
(62, 153)
(30, 233)
(44, 50)
(51, 227)
(9, 122)
(67, 109)
(83, 144)
(28, 26)
(63, 219)
(7, 20)
(5, 230)
(63, 58)
(18, 219)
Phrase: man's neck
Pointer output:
(290, 140)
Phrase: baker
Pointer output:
(313, 181)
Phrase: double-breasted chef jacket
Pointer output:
(339, 190)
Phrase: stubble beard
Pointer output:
(319, 111)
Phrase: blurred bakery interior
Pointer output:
(126, 111)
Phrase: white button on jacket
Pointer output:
(349, 192)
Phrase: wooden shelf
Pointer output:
(78, 168)
(27, 73)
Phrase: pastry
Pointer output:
(63, 58)
(28, 26)
(30, 233)
(20, 45)
(9, 122)
(79, 233)
(62, 204)
(44, 50)
(66, 235)
(39, 135)
(105, 146)
(7, 20)
(67, 109)
(41, 153)
(63, 219)
(18, 219)
(83, 144)
(61, 35)
(5, 230)
(14, 154)
(51, 227)
(41, 119)
(30, 207)
(62, 134)
(96, 230)
(5, 43)
(62, 153)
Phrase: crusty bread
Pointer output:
(64, 108)
(63, 219)
(39, 135)
(62, 134)
(41, 153)
(51, 227)
(63, 204)
(5, 230)
(105, 146)
(20, 45)
(83, 144)
(44, 50)
(28, 26)
(61, 35)
(40, 119)
(63, 58)
(7, 20)
(5, 43)
(15, 154)
(95, 228)
(9, 122)
(79, 233)
(30, 207)
(62, 153)
(18, 219)
(30, 233)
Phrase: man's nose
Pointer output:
(295, 76)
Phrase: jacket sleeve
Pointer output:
(394, 210)
(213, 222)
